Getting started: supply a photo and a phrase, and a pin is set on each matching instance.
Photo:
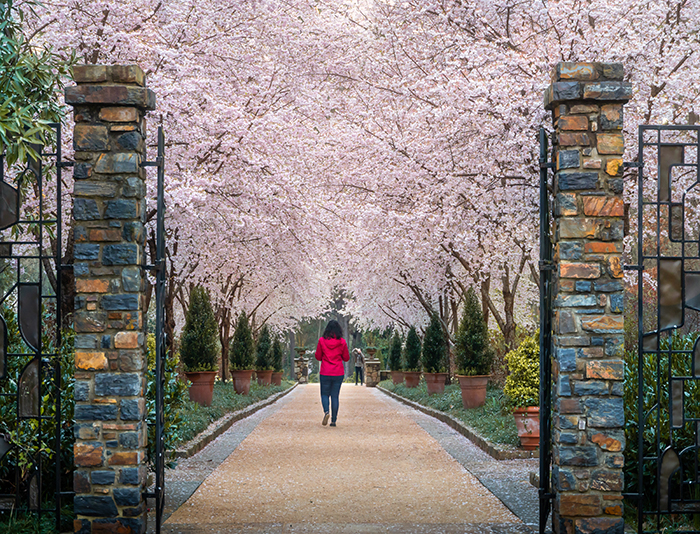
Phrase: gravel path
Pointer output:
(385, 468)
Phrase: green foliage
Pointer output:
(395, 363)
(276, 355)
(242, 350)
(412, 350)
(522, 385)
(472, 351)
(174, 395)
(434, 356)
(151, 351)
(14, 522)
(200, 338)
(31, 79)
(263, 357)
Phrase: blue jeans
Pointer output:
(359, 373)
(330, 387)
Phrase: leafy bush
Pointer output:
(434, 347)
(200, 339)
(276, 355)
(263, 358)
(241, 352)
(395, 354)
(412, 350)
(472, 351)
(522, 385)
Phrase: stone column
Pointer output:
(110, 360)
(586, 100)
(372, 366)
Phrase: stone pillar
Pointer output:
(110, 360)
(372, 366)
(301, 370)
(586, 100)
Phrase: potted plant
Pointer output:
(473, 354)
(522, 388)
(276, 360)
(241, 355)
(263, 365)
(199, 351)
(434, 356)
(395, 363)
(411, 358)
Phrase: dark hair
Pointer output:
(333, 330)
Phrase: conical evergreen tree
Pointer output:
(395, 353)
(434, 347)
(199, 350)
(412, 350)
(242, 350)
(277, 354)
(472, 351)
(262, 350)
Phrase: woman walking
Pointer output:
(331, 351)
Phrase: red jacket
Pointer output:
(332, 353)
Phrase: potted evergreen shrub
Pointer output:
(395, 363)
(473, 354)
(434, 357)
(411, 358)
(199, 351)
(241, 355)
(276, 360)
(522, 389)
(263, 363)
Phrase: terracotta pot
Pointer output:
(397, 377)
(241, 381)
(202, 388)
(435, 382)
(276, 378)
(264, 377)
(528, 422)
(473, 390)
(412, 378)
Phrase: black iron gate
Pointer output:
(158, 493)
(34, 424)
(666, 375)
(546, 269)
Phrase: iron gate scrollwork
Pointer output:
(668, 305)
(32, 427)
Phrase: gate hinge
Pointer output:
(549, 165)
(157, 163)
(633, 267)
(157, 267)
(547, 265)
(62, 164)
(628, 164)
(149, 494)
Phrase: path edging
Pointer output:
(204, 438)
(497, 452)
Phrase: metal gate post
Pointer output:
(586, 100)
(110, 360)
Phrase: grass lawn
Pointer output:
(493, 420)
(196, 418)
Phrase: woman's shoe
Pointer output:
(325, 419)
(332, 424)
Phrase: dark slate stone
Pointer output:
(85, 341)
(615, 231)
(566, 91)
(567, 322)
(607, 124)
(614, 461)
(592, 311)
(86, 251)
(130, 410)
(90, 412)
(81, 171)
(570, 250)
(79, 302)
(132, 232)
(617, 303)
(583, 286)
(576, 341)
(608, 286)
(134, 512)
(605, 413)
(566, 424)
(82, 526)
(98, 189)
(117, 164)
(613, 71)
(608, 91)
(567, 360)
(129, 440)
(120, 209)
(85, 209)
(568, 438)
(590, 387)
(565, 204)
(597, 341)
(120, 254)
(617, 389)
(104, 478)
(129, 140)
(86, 431)
(94, 505)
(574, 301)
(127, 496)
(614, 346)
(585, 456)
(616, 185)
(127, 525)
(112, 443)
(569, 159)
(134, 187)
(80, 234)
(117, 385)
(131, 279)
(81, 269)
(82, 390)
(120, 302)
(129, 475)
(564, 387)
(570, 181)
(106, 342)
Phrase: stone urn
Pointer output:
(276, 379)
(412, 378)
(371, 351)
(473, 390)
(527, 421)
(397, 377)
(241, 381)
(435, 382)
(264, 377)
(202, 388)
